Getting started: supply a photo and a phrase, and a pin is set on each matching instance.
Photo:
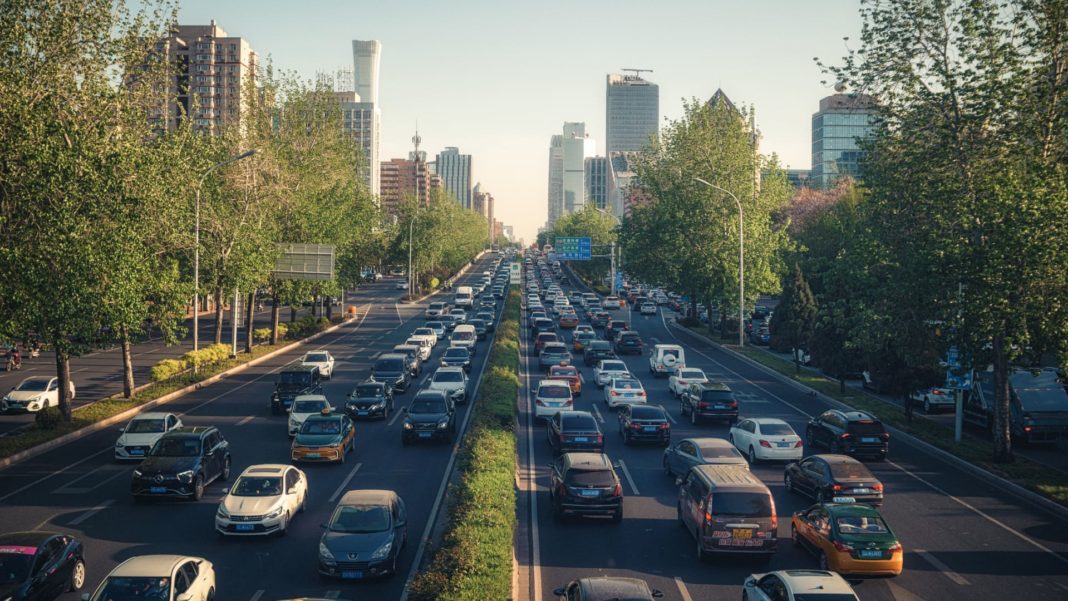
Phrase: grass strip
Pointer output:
(474, 560)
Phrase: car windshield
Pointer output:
(146, 426)
(566, 372)
(389, 365)
(554, 392)
(850, 471)
(463, 336)
(448, 376)
(176, 447)
(438, 306)
(136, 588)
(360, 519)
(613, 366)
(776, 429)
(457, 353)
(308, 406)
(866, 428)
(868, 524)
(646, 413)
(719, 396)
(579, 422)
(719, 451)
(602, 478)
(434, 325)
(256, 486)
(316, 358)
(554, 349)
(427, 407)
(34, 385)
(745, 504)
(294, 378)
(424, 332)
(368, 391)
(321, 426)
(15, 563)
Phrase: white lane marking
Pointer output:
(396, 414)
(626, 472)
(46, 521)
(344, 483)
(396, 307)
(682, 589)
(84, 476)
(77, 490)
(1061, 586)
(597, 413)
(937, 563)
(331, 594)
(92, 512)
(246, 420)
(256, 596)
(668, 414)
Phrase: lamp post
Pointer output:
(741, 259)
(196, 246)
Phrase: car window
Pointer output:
(448, 376)
(321, 426)
(554, 392)
(427, 407)
(745, 504)
(719, 451)
(191, 569)
(308, 406)
(360, 519)
(291, 480)
(776, 429)
(579, 422)
(687, 447)
(814, 467)
(176, 447)
(601, 478)
(181, 583)
(256, 486)
(773, 588)
(861, 525)
(146, 426)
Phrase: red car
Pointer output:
(545, 338)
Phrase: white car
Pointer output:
(680, 381)
(935, 398)
(425, 346)
(141, 434)
(766, 439)
(401, 285)
(33, 394)
(428, 332)
(584, 328)
(648, 308)
(607, 369)
(795, 585)
(262, 501)
(452, 381)
(321, 359)
(303, 406)
(666, 359)
(159, 577)
(552, 396)
(624, 391)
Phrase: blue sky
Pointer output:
(498, 78)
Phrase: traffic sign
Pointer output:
(573, 248)
(513, 273)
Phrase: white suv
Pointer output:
(666, 359)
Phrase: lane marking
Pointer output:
(941, 567)
(344, 483)
(396, 414)
(666, 412)
(88, 514)
(682, 589)
(256, 596)
(69, 490)
(246, 420)
(70, 484)
(626, 472)
(597, 413)
(331, 594)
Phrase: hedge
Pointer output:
(209, 355)
(474, 560)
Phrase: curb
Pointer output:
(1035, 499)
(103, 424)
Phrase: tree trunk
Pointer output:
(1002, 411)
(250, 320)
(63, 372)
(276, 315)
(292, 313)
(127, 362)
(329, 307)
(218, 315)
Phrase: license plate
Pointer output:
(590, 493)
(365, 412)
(352, 574)
(245, 527)
(871, 553)
(862, 491)
(719, 406)
(741, 533)
(628, 394)
(137, 451)
(424, 435)
(582, 439)
(783, 445)
(649, 429)
(869, 439)
(157, 489)
(312, 455)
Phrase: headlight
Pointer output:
(324, 552)
(118, 444)
(186, 476)
(137, 473)
(407, 425)
(274, 514)
(382, 551)
(222, 512)
(443, 424)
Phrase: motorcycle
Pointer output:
(14, 364)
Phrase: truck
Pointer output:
(464, 297)
(1038, 404)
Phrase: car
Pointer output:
(580, 339)
(33, 394)
(40, 566)
(540, 325)
(464, 335)
(648, 308)
(711, 400)
(328, 436)
(449, 321)
(544, 338)
(613, 302)
(262, 501)
(457, 356)
(628, 342)
(666, 359)
(438, 327)
(551, 396)
(584, 328)
(304, 406)
(681, 380)
(435, 310)
(797, 585)
(600, 319)
(369, 399)
(423, 343)
(823, 477)
(431, 417)
(608, 369)
(488, 317)
(574, 431)
(393, 369)
(142, 432)
(480, 328)
(607, 588)
(760, 336)
(686, 453)
(934, 398)
(766, 439)
(152, 577)
(427, 333)
(728, 510)
(293, 381)
(569, 374)
(596, 351)
(458, 315)
(644, 423)
(401, 285)
(364, 536)
(568, 321)
(182, 463)
(849, 538)
(626, 390)
(452, 381)
(413, 354)
(321, 359)
(553, 353)
(849, 432)
(614, 327)
(585, 484)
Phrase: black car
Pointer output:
(480, 328)
(824, 477)
(574, 431)
(850, 433)
(628, 342)
(364, 536)
(370, 399)
(709, 400)
(600, 319)
(393, 369)
(432, 417)
(596, 351)
(614, 327)
(182, 464)
(415, 358)
(292, 382)
(644, 423)
(585, 484)
(457, 356)
(607, 588)
(40, 566)
(488, 317)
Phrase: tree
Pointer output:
(795, 317)
(600, 227)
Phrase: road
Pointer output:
(963, 539)
(79, 489)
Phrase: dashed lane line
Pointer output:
(344, 483)
(668, 414)
(626, 472)
(942, 567)
(246, 420)
(682, 589)
(597, 413)
(256, 596)
(92, 512)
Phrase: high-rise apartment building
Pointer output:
(455, 171)
(366, 55)
(214, 71)
(403, 179)
(360, 120)
(597, 182)
(841, 121)
(556, 179)
(632, 111)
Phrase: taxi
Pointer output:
(569, 374)
(849, 538)
(324, 437)
(581, 339)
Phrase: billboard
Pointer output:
(305, 262)
(573, 248)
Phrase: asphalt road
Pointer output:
(962, 538)
(80, 490)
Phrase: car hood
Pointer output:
(342, 544)
(316, 440)
(167, 465)
(381, 376)
(250, 505)
(139, 440)
(24, 395)
(365, 401)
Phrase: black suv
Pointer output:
(712, 400)
(457, 356)
(432, 416)
(585, 484)
(849, 432)
(369, 399)
(292, 382)
(596, 351)
(182, 463)
(394, 369)
(574, 431)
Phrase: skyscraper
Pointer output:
(841, 121)
(632, 112)
(556, 179)
(577, 146)
(365, 58)
(597, 182)
(455, 171)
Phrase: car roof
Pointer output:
(851, 509)
(548, 382)
(805, 581)
(190, 431)
(710, 442)
(368, 497)
(448, 368)
(392, 356)
(833, 459)
(713, 386)
(152, 415)
(767, 420)
(150, 565)
(302, 367)
(590, 461)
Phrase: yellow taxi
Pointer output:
(848, 538)
(569, 374)
(328, 436)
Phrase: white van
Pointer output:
(464, 335)
(666, 359)
(464, 297)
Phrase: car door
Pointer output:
(740, 432)
(212, 457)
(818, 430)
(685, 457)
(198, 586)
(812, 475)
(52, 397)
(400, 521)
(45, 580)
(293, 492)
(553, 430)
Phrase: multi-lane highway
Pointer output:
(962, 537)
(78, 488)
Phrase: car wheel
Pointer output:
(701, 555)
(404, 440)
(788, 483)
(820, 496)
(880, 457)
(198, 488)
(211, 594)
(341, 454)
(678, 515)
(834, 447)
(304, 503)
(626, 439)
(77, 577)
(693, 417)
(617, 517)
(752, 456)
(682, 408)
(823, 561)
(225, 475)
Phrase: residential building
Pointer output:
(632, 111)
(361, 120)
(403, 179)
(366, 55)
(556, 179)
(597, 181)
(842, 120)
(482, 203)
(455, 171)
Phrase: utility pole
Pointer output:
(235, 314)
(612, 254)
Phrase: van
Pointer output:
(464, 297)
(666, 359)
(464, 335)
(293, 381)
(728, 510)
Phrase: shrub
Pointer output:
(167, 369)
(263, 334)
(48, 418)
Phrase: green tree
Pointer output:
(602, 230)
(795, 317)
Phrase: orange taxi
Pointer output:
(324, 437)
(569, 374)
(848, 538)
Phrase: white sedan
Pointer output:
(452, 381)
(680, 381)
(607, 369)
(624, 391)
(139, 436)
(304, 406)
(263, 500)
(793, 585)
(429, 333)
(766, 438)
(321, 359)
(33, 394)
(159, 577)
(648, 308)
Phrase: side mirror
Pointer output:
(657, 594)
(404, 410)
(401, 523)
(324, 526)
(122, 429)
(750, 583)
(678, 481)
(559, 592)
(85, 596)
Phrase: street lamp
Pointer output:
(196, 245)
(741, 259)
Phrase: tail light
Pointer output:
(885, 436)
(877, 487)
(563, 438)
(842, 547)
(895, 548)
(618, 490)
(774, 523)
(540, 403)
(799, 444)
(845, 435)
(765, 444)
(708, 517)
(569, 402)
(836, 487)
(600, 439)
(614, 393)
(634, 426)
(733, 405)
(665, 426)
